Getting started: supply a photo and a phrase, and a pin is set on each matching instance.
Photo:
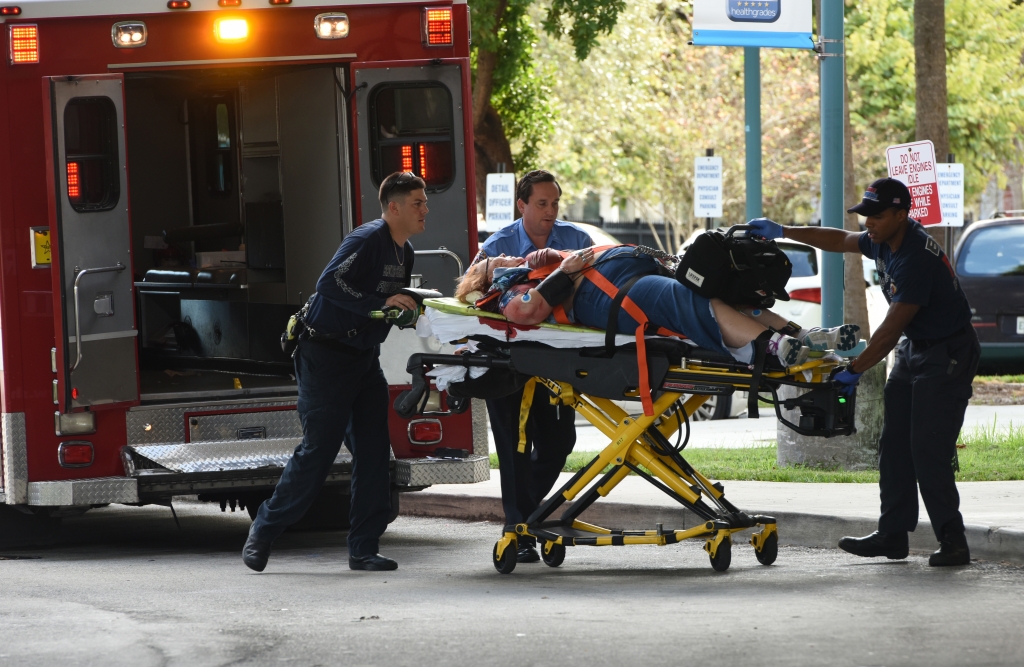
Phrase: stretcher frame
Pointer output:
(640, 443)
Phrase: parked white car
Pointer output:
(804, 287)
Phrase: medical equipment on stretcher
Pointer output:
(579, 371)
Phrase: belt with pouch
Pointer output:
(333, 342)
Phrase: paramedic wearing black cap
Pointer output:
(343, 395)
(927, 392)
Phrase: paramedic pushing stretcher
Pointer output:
(343, 395)
(550, 430)
(927, 392)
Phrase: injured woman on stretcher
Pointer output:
(584, 286)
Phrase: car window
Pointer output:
(804, 259)
(995, 251)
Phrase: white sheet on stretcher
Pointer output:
(447, 327)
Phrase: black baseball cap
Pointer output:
(883, 194)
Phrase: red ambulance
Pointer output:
(174, 176)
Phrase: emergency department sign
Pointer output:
(707, 187)
(951, 193)
(500, 201)
(781, 24)
(913, 165)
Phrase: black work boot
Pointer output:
(527, 554)
(953, 549)
(256, 553)
(891, 545)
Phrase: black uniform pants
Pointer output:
(343, 397)
(925, 401)
(527, 478)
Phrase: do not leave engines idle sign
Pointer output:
(914, 165)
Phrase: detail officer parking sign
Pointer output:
(914, 165)
(500, 201)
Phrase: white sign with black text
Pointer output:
(951, 193)
(707, 187)
(500, 201)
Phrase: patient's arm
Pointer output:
(528, 308)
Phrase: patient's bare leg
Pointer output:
(738, 329)
(766, 317)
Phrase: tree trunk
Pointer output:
(490, 144)
(932, 121)
(855, 303)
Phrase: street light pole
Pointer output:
(752, 113)
(833, 73)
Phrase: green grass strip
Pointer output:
(990, 453)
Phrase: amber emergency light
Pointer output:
(231, 30)
(24, 44)
(437, 26)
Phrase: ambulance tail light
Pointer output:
(24, 44)
(229, 3)
(10, 11)
(231, 30)
(812, 294)
(75, 454)
(280, 2)
(437, 26)
(74, 423)
(74, 181)
(330, 26)
(179, 4)
(424, 431)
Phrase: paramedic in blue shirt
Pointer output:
(927, 392)
(343, 395)
(551, 431)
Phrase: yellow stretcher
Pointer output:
(588, 379)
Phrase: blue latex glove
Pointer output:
(769, 229)
(847, 381)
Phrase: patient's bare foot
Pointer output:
(840, 338)
(789, 350)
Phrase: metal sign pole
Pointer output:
(752, 113)
(710, 152)
(833, 72)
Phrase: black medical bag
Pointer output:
(739, 269)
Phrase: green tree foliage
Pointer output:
(635, 113)
(519, 93)
(984, 73)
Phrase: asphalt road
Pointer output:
(128, 588)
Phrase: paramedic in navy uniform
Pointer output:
(927, 392)
(551, 430)
(342, 391)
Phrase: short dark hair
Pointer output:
(398, 185)
(524, 189)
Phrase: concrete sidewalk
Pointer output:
(813, 515)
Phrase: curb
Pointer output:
(795, 528)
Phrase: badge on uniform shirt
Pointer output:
(892, 288)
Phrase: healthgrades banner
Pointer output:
(781, 24)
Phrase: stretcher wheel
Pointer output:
(723, 556)
(770, 551)
(556, 555)
(507, 562)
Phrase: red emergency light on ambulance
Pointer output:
(174, 176)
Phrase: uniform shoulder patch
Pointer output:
(932, 246)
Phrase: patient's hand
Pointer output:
(578, 260)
